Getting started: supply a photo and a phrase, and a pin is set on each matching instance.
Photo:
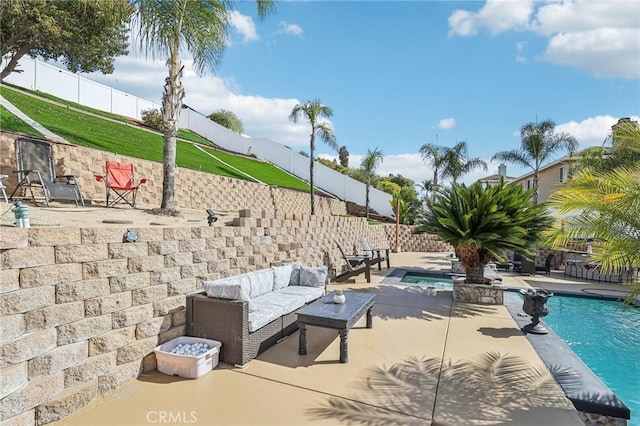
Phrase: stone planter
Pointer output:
(478, 293)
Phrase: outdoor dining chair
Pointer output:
(34, 159)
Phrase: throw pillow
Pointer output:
(295, 273)
(281, 276)
(313, 276)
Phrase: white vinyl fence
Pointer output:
(41, 76)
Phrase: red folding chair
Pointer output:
(120, 179)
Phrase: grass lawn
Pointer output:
(9, 121)
(121, 138)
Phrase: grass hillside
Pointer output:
(107, 132)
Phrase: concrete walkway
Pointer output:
(24, 117)
(427, 360)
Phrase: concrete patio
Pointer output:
(427, 360)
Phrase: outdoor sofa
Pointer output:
(249, 313)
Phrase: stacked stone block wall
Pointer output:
(410, 242)
(194, 189)
(82, 311)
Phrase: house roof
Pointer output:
(497, 177)
(566, 159)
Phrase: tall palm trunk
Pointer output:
(171, 106)
(535, 187)
(312, 147)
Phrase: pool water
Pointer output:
(607, 339)
(438, 281)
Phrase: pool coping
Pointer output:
(585, 390)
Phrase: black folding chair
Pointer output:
(36, 169)
(356, 265)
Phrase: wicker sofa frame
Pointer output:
(227, 321)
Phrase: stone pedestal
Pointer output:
(478, 293)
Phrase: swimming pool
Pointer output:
(606, 338)
(428, 279)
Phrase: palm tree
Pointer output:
(427, 187)
(458, 163)
(602, 204)
(369, 164)
(314, 111)
(480, 223)
(436, 156)
(164, 28)
(538, 144)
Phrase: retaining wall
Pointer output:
(82, 311)
(410, 242)
(193, 189)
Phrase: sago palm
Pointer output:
(482, 222)
(165, 28)
(538, 144)
(316, 113)
(369, 164)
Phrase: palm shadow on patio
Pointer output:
(489, 389)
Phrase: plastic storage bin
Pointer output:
(187, 366)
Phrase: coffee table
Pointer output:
(325, 313)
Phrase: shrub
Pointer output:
(152, 117)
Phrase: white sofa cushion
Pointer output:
(235, 288)
(281, 276)
(261, 282)
(313, 276)
(241, 287)
(287, 301)
(263, 315)
(308, 293)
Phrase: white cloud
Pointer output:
(290, 29)
(598, 37)
(462, 23)
(603, 52)
(447, 123)
(591, 131)
(496, 16)
(580, 15)
(244, 26)
(520, 58)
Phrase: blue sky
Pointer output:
(400, 74)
